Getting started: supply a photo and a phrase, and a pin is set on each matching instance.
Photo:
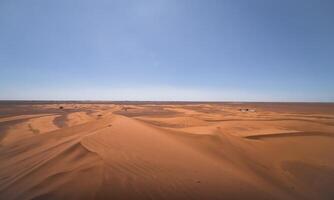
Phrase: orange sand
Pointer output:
(166, 151)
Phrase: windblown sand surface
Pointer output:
(166, 151)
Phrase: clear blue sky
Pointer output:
(259, 50)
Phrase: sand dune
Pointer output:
(166, 151)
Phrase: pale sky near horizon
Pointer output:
(200, 50)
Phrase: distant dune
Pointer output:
(166, 150)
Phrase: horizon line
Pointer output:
(158, 101)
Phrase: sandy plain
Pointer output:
(166, 150)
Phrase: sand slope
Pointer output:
(107, 154)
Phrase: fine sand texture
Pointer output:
(166, 150)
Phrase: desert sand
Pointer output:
(166, 150)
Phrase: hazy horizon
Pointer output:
(167, 50)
